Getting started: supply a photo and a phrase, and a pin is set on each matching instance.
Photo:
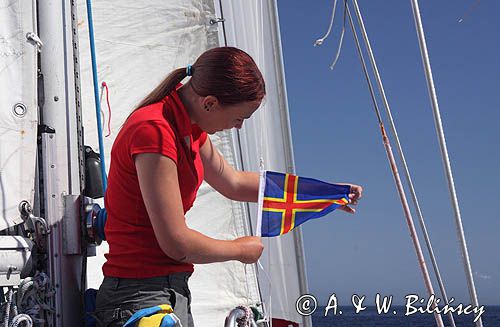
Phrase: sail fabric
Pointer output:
(18, 104)
(137, 44)
(265, 142)
(287, 201)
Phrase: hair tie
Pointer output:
(189, 69)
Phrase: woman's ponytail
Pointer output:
(165, 87)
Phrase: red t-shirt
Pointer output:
(164, 128)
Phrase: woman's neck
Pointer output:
(188, 96)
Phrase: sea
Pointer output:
(370, 318)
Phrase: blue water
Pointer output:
(370, 318)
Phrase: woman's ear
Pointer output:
(210, 102)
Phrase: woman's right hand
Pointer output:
(250, 248)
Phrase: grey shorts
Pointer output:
(119, 298)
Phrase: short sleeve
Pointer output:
(199, 134)
(153, 136)
(203, 138)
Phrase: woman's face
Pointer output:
(220, 117)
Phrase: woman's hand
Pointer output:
(250, 248)
(354, 196)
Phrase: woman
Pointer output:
(158, 161)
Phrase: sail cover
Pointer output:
(138, 43)
(18, 104)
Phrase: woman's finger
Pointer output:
(347, 209)
(357, 190)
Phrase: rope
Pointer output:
(8, 305)
(22, 318)
(472, 8)
(402, 157)
(444, 154)
(320, 41)
(268, 313)
(103, 118)
(396, 176)
(96, 94)
(105, 87)
(26, 305)
(341, 42)
(245, 320)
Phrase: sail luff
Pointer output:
(289, 154)
(266, 138)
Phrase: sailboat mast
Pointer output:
(444, 154)
(60, 159)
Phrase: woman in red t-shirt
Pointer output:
(158, 161)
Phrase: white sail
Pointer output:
(137, 44)
(265, 141)
(18, 104)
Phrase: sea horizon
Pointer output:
(370, 317)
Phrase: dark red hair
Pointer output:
(227, 73)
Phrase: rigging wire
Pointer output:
(445, 157)
(401, 155)
(396, 176)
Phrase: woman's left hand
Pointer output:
(354, 196)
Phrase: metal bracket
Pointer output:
(31, 220)
(71, 224)
(30, 36)
(217, 20)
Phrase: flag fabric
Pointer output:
(287, 201)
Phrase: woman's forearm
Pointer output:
(247, 187)
(194, 247)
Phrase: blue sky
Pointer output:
(336, 138)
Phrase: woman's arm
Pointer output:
(242, 185)
(233, 184)
(159, 185)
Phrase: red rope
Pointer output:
(105, 86)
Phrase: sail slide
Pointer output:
(18, 103)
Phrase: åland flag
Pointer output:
(286, 201)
